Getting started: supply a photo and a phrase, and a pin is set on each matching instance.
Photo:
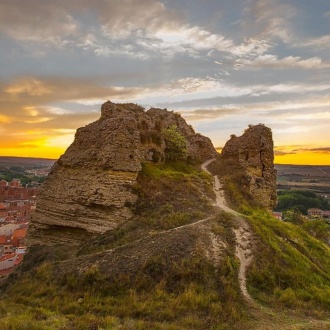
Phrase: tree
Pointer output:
(176, 144)
(301, 199)
(320, 229)
(293, 215)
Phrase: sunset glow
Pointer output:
(304, 158)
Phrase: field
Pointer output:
(305, 177)
(25, 163)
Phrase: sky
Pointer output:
(222, 64)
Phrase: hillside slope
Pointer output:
(145, 276)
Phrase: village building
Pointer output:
(314, 213)
(277, 215)
(7, 261)
(17, 204)
(326, 214)
(12, 247)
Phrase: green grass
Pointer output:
(169, 195)
(185, 294)
(173, 169)
(188, 294)
(290, 269)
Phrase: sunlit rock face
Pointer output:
(254, 151)
(89, 189)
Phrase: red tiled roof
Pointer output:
(277, 213)
(7, 256)
(4, 239)
(20, 232)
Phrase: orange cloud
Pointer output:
(300, 155)
(30, 86)
(4, 119)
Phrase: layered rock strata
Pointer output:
(254, 151)
(89, 188)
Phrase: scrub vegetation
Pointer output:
(289, 273)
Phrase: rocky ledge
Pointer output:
(254, 152)
(89, 189)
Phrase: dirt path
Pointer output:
(243, 234)
(264, 318)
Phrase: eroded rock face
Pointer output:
(254, 151)
(89, 187)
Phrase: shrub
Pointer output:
(176, 144)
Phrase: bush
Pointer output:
(176, 144)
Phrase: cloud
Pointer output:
(272, 61)
(322, 42)
(296, 149)
(29, 92)
(283, 153)
(29, 114)
(28, 86)
(201, 114)
(278, 99)
(121, 19)
(269, 18)
(140, 30)
(62, 22)
(293, 150)
(5, 119)
(191, 85)
(325, 150)
(47, 23)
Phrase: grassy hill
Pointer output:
(174, 266)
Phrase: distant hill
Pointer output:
(25, 161)
(305, 170)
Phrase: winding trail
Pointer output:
(243, 234)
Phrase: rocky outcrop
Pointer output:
(254, 152)
(89, 188)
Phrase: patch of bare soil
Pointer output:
(243, 233)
